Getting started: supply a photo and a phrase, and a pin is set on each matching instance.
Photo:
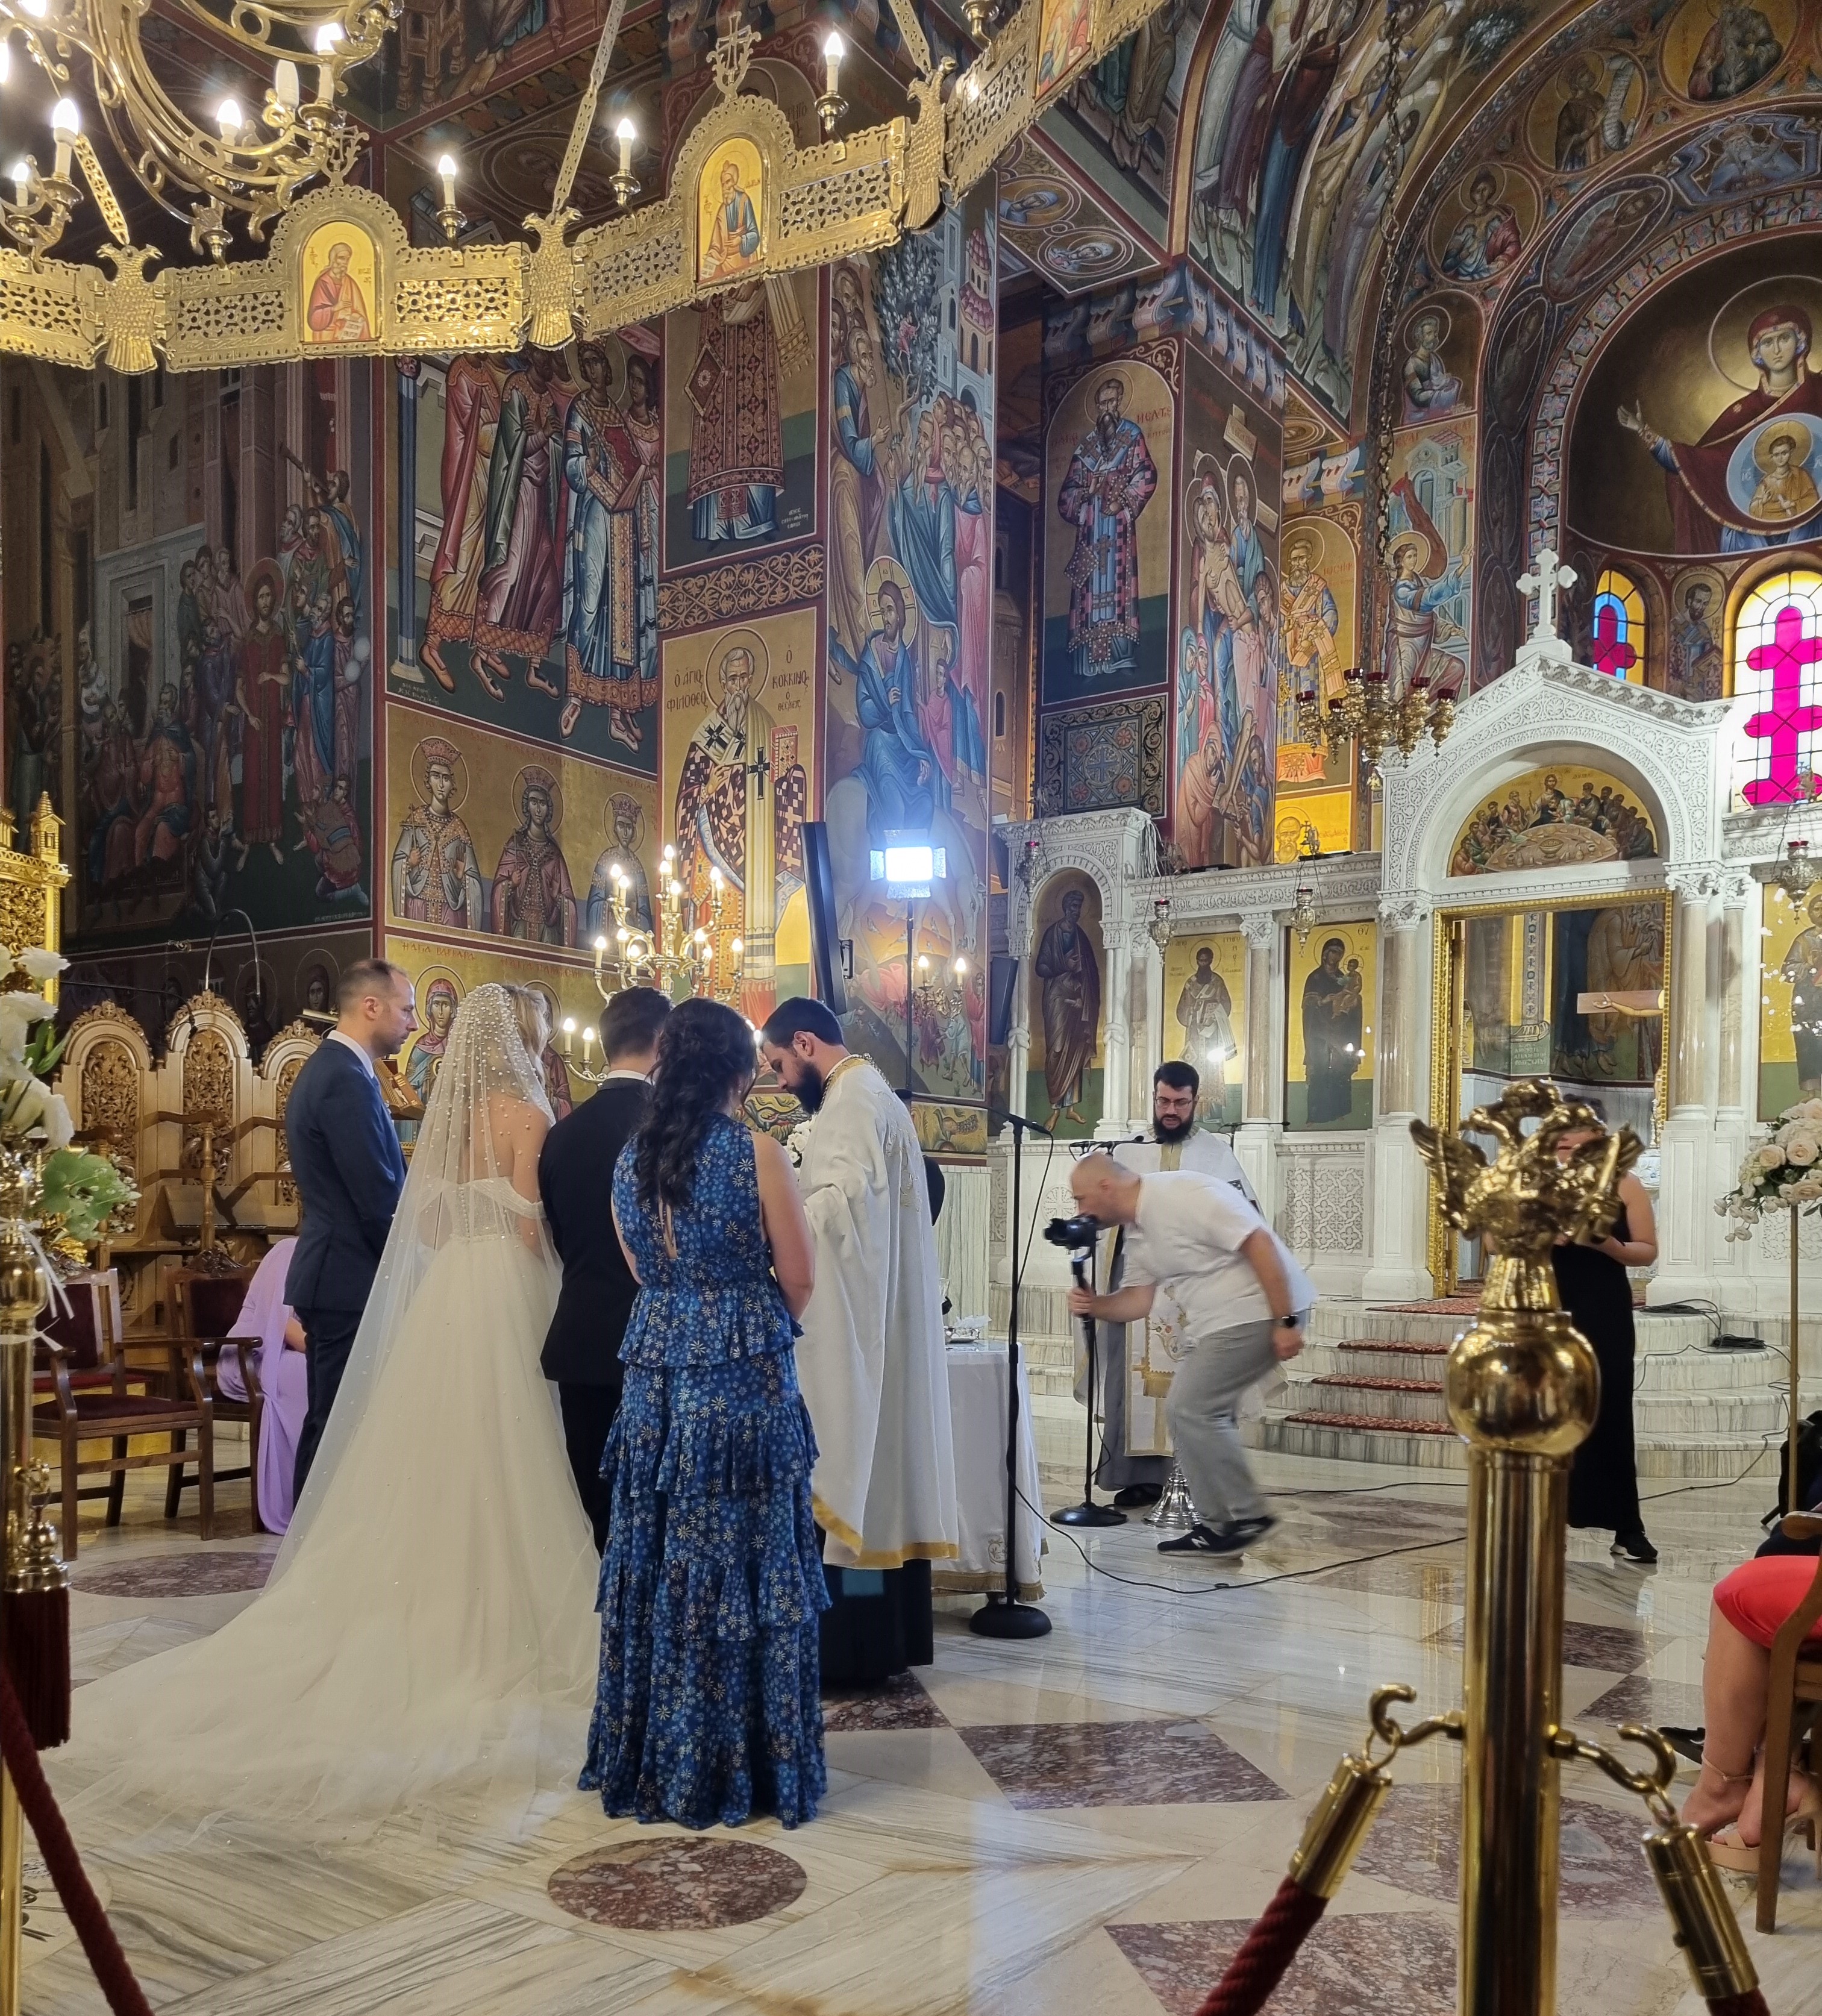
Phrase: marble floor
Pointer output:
(1084, 1822)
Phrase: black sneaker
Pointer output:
(1239, 1533)
(1136, 1495)
(1635, 1547)
(1198, 1540)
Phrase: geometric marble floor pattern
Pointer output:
(1085, 1823)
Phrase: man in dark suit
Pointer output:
(575, 1174)
(349, 1169)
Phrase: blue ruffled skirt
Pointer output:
(707, 1707)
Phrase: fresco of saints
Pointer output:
(521, 580)
(337, 313)
(166, 784)
(734, 243)
(1220, 611)
(1801, 972)
(1067, 31)
(856, 497)
(1486, 240)
(1429, 389)
(1070, 1007)
(1333, 1022)
(439, 1001)
(736, 443)
(436, 878)
(905, 782)
(532, 897)
(620, 861)
(1310, 620)
(1204, 1012)
(1111, 480)
(1695, 654)
(740, 801)
(1705, 511)
(471, 412)
(1787, 490)
(610, 464)
(1410, 622)
(260, 684)
(1738, 51)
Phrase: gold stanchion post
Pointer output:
(1521, 1388)
(1792, 1503)
(23, 1291)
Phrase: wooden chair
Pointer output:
(1794, 1691)
(85, 1365)
(207, 1307)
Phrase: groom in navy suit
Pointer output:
(349, 1170)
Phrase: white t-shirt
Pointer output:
(1187, 1240)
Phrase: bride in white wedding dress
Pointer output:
(427, 1634)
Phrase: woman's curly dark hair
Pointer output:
(705, 1051)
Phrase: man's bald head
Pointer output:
(1105, 1190)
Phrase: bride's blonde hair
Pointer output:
(532, 1012)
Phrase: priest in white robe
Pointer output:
(870, 1361)
(1176, 1142)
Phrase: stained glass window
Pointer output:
(1776, 651)
(1617, 644)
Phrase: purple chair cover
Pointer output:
(264, 1315)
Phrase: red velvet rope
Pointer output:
(1268, 1950)
(39, 1804)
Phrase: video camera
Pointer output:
(1078, 1234)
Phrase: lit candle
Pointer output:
(446, 175)
(229, 119)
(626, 133)
(21, 175)
(588, 1044)
(832, 55)
(600, 953)
(65, 123)
(285, 86)
(327, 36)
(961, 969)
(569, 1032)
(736, 948)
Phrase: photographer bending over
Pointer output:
(1221, 1280)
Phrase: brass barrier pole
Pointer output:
(23, 1293)
(1521, 1388)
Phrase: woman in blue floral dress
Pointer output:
(707, 1709)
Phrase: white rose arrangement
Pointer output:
(1780, 1172)
(77, 1190)
(796, 1143)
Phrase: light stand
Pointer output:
(1087, 1513)
(1004, 1616)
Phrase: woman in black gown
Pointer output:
(1604, 1480)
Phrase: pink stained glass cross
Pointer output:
(1788, 719)
(1612, 653)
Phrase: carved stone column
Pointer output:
(1398, 1266)
(1116, 1072)
(1736, 994)
(1687, 1228)
(1256, 1143)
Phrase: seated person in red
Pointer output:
(1726, 1804)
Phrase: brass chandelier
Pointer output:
(341, 276)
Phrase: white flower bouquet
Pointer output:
(1782, 1171)
(77, 1190)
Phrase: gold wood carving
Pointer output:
(31, 887)
(724, 592)
(855, 193)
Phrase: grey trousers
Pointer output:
(1204, 1411)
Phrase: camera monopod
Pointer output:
(1078, 1236)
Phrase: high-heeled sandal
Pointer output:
(1742, 1856)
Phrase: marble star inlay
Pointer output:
(673, 1883)
(1115, 1764)
(898, 1703)
(223, 1571)
(1353, 1965)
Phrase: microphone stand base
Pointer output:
(1000, 1619)
(1088, 1513)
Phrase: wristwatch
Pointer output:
(1291, 1322)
